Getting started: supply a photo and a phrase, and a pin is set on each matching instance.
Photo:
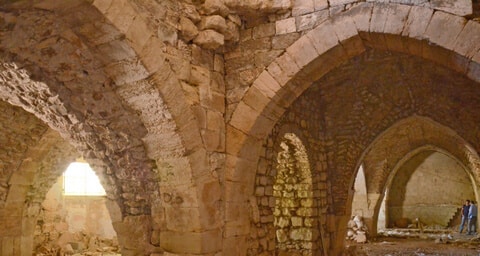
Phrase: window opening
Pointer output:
(80, 180)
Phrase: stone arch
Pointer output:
(77, 76)
(293, 192)
(57, 88)
(302, 230)
(428, 149)
(414, 30)
(417, 133)
(190, 226)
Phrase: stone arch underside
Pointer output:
(411, 134)
(437, 171)
(77, 72)
(33, 157)
(439, 37)
(288, 189)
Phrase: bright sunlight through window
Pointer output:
(80, 180)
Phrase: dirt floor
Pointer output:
(411, 243)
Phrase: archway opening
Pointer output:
(427, 192)
(294, 204)
(74, 217)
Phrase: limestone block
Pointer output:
(266, 84)
(458, 7)
(301, 7)
(188, 30)
(348, 35)
(182, 219)
(340, 2)
(134, 232)
(474, 68)
(281, 4)
(256, 99)
(303, 51)
(394, 26)
(235, 245)
(236, 229)
(361, 15)
(191, 11)
(127, 72)
(310, 222)
(192, 242)
(102, 5)
(307, 202)
(121, 14)
(138, 33)
(199, 76)
(320, 4)
(377, 24)
(467, 43)
(283, 41)
(305, 212)
(7, 247)
(235, 18)
(232, 32)
(285, 26)
(444, 29)
(167, 33)
(209, 39)
(323, 38)
(417, 22)
(116, 50)
(264, 30)
(311, 20)
(397, 16)
(297, 221)
(281, 235)
(237, 139)
(215, 22)
(23, 178)
(303, 234)
(153, 56)
(215, 7)
(17, 194)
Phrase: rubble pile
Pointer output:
(356, 230)
(79, 244)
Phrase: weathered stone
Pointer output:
(215, 7)
(186, 135)
(301, 7)
(285, 26)
(215, 22)
(209, 39)
(189, 30)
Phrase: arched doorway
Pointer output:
(429, 187)
(294, 204)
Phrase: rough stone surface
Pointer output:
(181, 108)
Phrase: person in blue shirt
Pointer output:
(464, 214)
(472, 218)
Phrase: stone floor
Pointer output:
(413, 242)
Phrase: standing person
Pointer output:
(472, 218)
(464, 214)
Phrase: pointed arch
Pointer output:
(417, 31)
(412, 135)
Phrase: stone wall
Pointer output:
(146, 91)
(430, 186)
(292, 214)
